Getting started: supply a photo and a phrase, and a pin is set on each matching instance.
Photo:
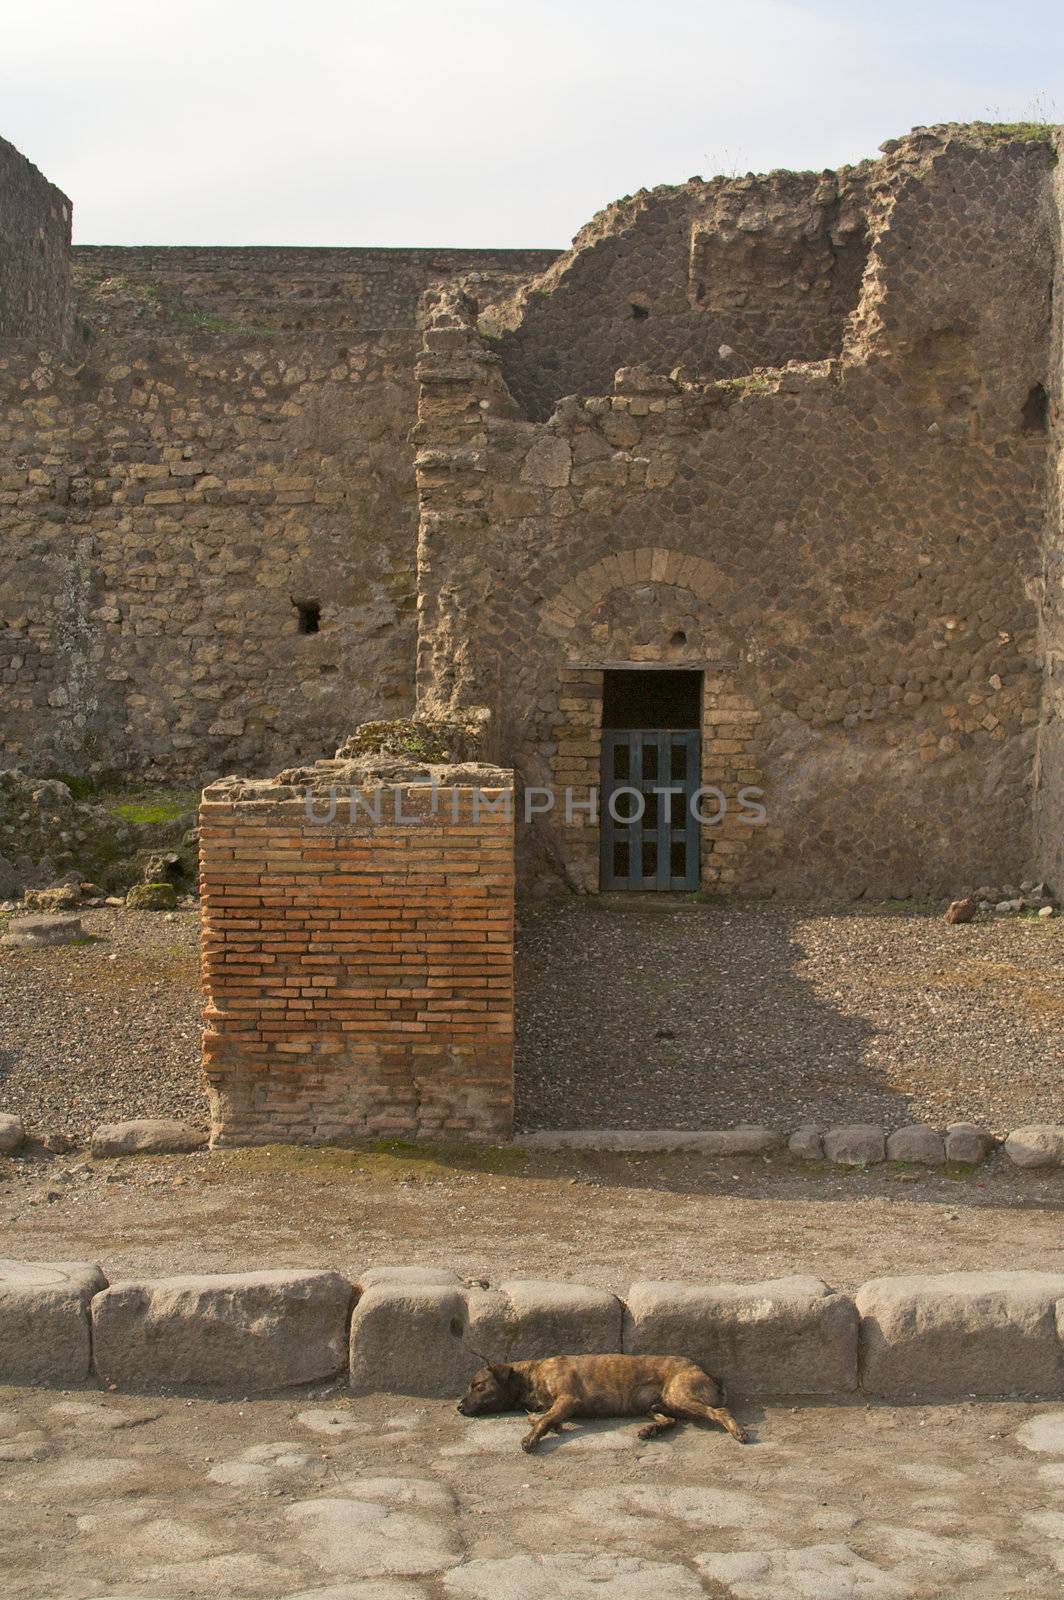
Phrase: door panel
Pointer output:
(659, 849)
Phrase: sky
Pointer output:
(478, 122)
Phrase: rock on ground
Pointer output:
(855, 1146)
(1036, 1145)
(147, 1136)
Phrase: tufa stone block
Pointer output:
(961, 1333)
(44, 1320)
(1039, 1144)
(857, 1145)
(527, 1320)
(234, 1331)
(409, 1338)
(152, 1136)
(916, 1143)
(782, 1336)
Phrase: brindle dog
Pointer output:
(668, 1389)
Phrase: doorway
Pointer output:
(651, 767)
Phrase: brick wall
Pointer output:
(358, 972)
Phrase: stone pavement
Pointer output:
(319, 1497)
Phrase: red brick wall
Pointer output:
(359, 975)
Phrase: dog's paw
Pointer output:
(528, 1444)
(646, 1433)
(742, 1437)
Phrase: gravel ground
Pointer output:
(670, 1013)
(633, 1015)
(105, 1030)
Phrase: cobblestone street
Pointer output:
(317, 1497)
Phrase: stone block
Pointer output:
(961, 1333)
(152, 1136)
(30, 933)
(966, 1141)
(916, 1142)
(12, 1133)
(782, 1336)
(807, 1144)
(240, 1331)
(409, 1338)
(857, 1145)
(1039, 1144)
(526, 1319)
(747, 1139)
(44, 1320)
(406, 1275)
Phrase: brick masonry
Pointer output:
(359, 970)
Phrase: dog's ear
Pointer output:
(501, 1371)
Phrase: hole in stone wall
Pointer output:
(309, 612)
(640, 310)
(678, 638)
(1036, 411)
(457, 1329)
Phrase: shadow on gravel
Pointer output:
(682, 1015)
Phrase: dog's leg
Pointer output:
(661, 1424)
(695, 1408)
(551, 1418)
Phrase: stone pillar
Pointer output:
(358, 967)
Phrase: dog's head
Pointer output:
(490, 1389)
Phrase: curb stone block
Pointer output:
(527, 1319)
(807, 1144)
(406, 1275)
(12, 1133)
(244, 1331)
(409, 1338)
(917, 1143)
(746, 1139)
(966, 1141)
(147, 1136)
(1039, 1144)
(961, 1333)
(855, 1145)
(782, 1336)
(44, 1320)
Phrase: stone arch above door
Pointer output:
(645, 604)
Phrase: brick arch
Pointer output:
(646, 564)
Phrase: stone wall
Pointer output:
(1049, 791)
(208, 518)
(850, 548)
(35, 291)
(718, 277)
(359, 970)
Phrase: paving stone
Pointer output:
(960, 1333)
(393, 1528)
(576, 1576)
(332, 1423)
(501, 1436)
(857, 1145)
(44, 1320)
(1045, 1433)
(781, 1336)
(814, 1572)
(366, 1589)
(239, 1331)
(527, 1319)
(147, 1136)
(35, 932)
(625, 1511)
(225, 1576)
(263, 1465)
(1038, 1144)
(408, 1338)
(917, 1143)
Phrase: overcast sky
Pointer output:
(478, 122)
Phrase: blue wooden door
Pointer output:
(648, 833)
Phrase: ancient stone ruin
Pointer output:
(746, 509)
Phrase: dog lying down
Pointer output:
(668, 1389)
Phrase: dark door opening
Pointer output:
(651, 766)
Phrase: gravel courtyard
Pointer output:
(637, 1015)
(319, 1497)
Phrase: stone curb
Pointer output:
(849, 1145)
(423, 1331)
